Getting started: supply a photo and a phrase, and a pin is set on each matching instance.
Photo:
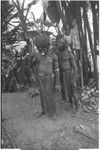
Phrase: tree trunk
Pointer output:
(79, 23)
(91, 45)
(68, 15)
(86, 63)
(95, 27)
(63, 18)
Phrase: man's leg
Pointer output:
(76, 97)
(41, 96)
(63, 85)
(74, 90)
(69, 89)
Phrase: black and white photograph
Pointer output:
(49, 75)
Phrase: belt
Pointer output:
(42, 75)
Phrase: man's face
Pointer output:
(43, 50)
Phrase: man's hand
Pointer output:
(58, 88)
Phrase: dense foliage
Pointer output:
(58, 11)
(8, 34)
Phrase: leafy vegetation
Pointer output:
(8, 36)
(57, 12)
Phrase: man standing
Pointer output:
(68, 72)
(47, 71)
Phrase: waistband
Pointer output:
(43, 75)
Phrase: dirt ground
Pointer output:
(29, 131)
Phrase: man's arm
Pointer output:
(73, 64)
(56, 72)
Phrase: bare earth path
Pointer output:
(30, 132)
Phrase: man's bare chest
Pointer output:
(45, 61)
(64, 56)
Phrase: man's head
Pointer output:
(42, 43)
(61, 43)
